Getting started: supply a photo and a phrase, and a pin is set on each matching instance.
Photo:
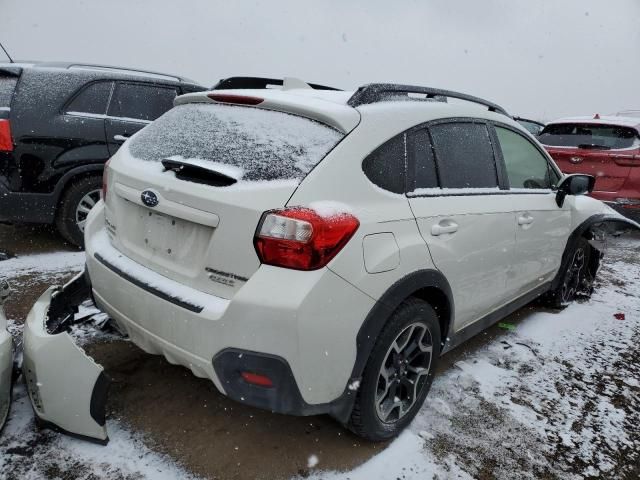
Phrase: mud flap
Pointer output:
(6, 358)
(68, 390)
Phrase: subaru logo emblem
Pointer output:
(149, 198)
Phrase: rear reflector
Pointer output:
(236, 99)
(256, 379)
(301, 239)
(6, 142)
(105, 180)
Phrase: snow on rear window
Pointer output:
(265, 144)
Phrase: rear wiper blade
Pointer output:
(593, 146)
(197, 174)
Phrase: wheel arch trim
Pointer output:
(68, 177)
(608, 223)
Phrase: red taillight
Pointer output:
(237, 99)
(301, 239)
(627, 160)
(6, 142)
(256, 379)
(105, 180)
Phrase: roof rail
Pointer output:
(379, 92)
(243, 83)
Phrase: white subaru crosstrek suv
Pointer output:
(315, 251)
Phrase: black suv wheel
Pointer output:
(76, 203)
(399, 372)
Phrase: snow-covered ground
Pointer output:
(556, 397)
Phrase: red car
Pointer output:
(606, 147)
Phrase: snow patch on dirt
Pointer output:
(51, 455)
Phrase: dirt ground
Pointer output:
(210, 435)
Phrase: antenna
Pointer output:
(6, 53)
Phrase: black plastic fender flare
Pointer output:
(611, 224)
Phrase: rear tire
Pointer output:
(74, 207)
(577, 277)
(399, 372)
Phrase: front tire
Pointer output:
(577, 277)
(399, 372)
(74, 207)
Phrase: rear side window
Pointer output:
(586, 135)
(464, 155)
(386, 165)
(263, 144)
(92, 99)
(7, 86)
(141, 102)
(526, 166)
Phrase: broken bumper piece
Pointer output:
(6, 358)
(68, 390)
(6, 373)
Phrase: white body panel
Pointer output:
(472, 242)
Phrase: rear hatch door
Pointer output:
(186, 194)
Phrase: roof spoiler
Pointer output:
(259, 83)
(380, 92)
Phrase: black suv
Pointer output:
(59, 124)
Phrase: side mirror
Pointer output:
(576, 184)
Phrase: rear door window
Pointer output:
(141, 102)
(464, 155)
(421, 160)
(386, 165)
(260, 144)
(92, 99)
(587, 135)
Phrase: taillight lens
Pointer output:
(6, 142)
(105, 180)
(301, 239)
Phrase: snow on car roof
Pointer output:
(602, 120)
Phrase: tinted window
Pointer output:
(586, 135)
(7, 85)
(385, 166)
(532, 127)
(464, 155)
(243, 142)
(92, 99)
(526, 166)
(142, 102)
(421, 154)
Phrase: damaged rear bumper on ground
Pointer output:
(6, 359)
(68, 390)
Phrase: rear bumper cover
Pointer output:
(280, 321)
(66, 387)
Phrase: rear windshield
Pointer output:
(585, 135)
(7, 86)
(262, 144)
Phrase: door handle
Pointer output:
(120, 138)
(445, 226)
(525, 219)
